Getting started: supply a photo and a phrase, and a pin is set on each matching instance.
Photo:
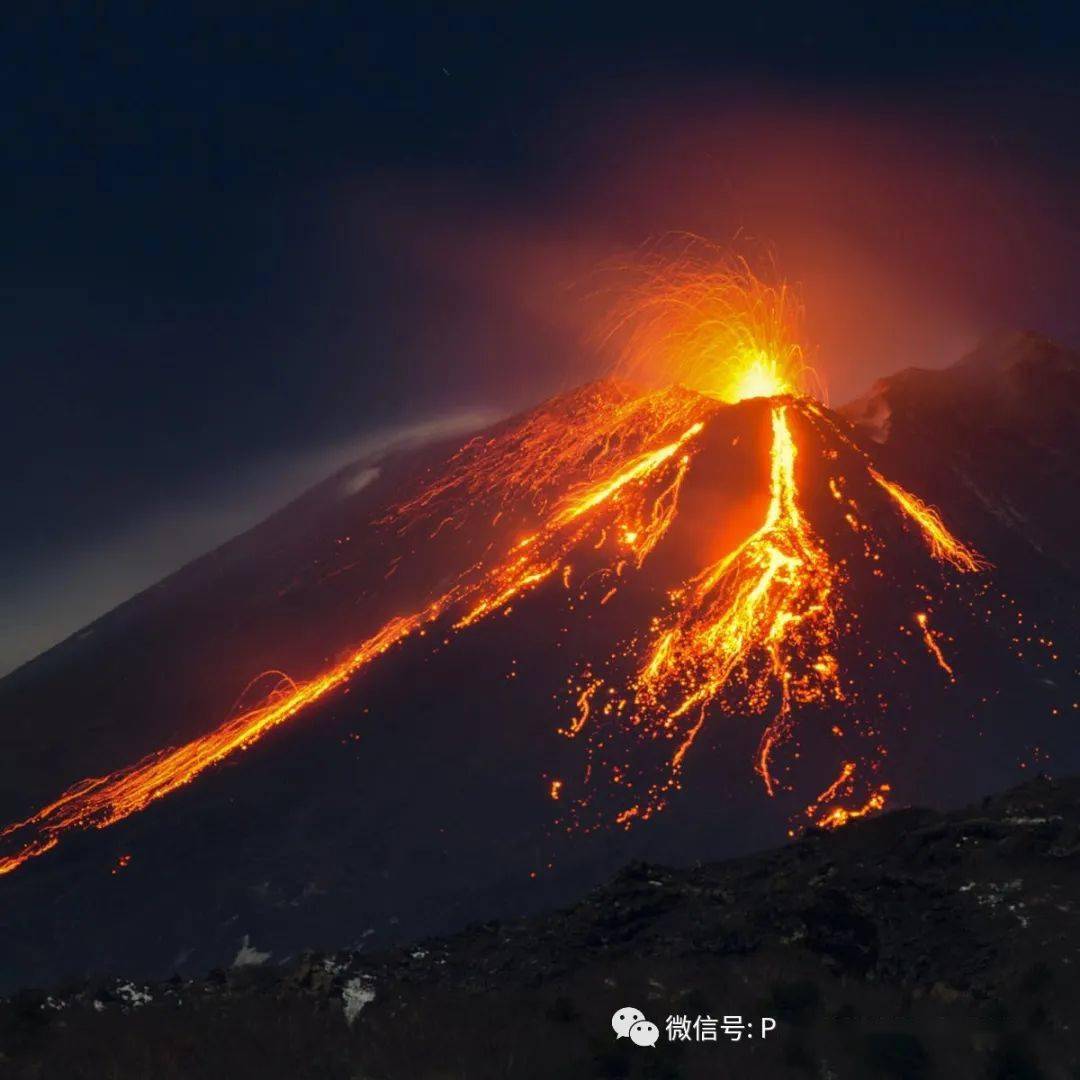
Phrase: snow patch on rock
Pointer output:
(356, 994)
(248, 955)
(131, 995)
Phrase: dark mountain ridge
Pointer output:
(998, 429)
(418, 797)
(914, 945)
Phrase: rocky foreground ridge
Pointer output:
(918, 944)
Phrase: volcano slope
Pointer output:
(995, 432)
(622, 625)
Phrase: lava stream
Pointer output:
(756, 633)
(638, 518)
(763, 618)
(943, 545)
(930, 638)
(598, 475)
(773, 593)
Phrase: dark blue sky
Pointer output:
(215, 254)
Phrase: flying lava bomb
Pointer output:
(580, 495)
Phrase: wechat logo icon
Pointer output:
(630, 1023)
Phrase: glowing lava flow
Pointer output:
(943, 545)
(589, 437)
(762, 618)
(538, 558)
(841, 815)
(931, 643)
(597, 475)
(98, 802)
(757, 633)
(102, 801)
(707, 321)
(842, 787)
(773, 593)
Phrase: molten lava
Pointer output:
(922, 620)
(596, 480)
(708, 322)
(943, 545)
(630, 506)
(771, 594)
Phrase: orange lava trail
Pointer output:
(540, 558)
(943, 545)
(771, 600)
(838, 816)
(931, 644)
(599, 473)
(843, 781)
(757, 633)
(588, 436)
(99, 802)
(102, 801)
(843, 787)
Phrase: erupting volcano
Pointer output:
(740, 560)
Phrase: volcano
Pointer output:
(470, 681)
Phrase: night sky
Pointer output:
(239, 249)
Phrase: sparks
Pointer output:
(930, 638)
(594, 481)
(838, 816)
(762, 618)
(711, 323)
(943, 545)
(637, 495)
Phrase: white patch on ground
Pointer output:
(356, 994)
(248, 955)
(1017, 910)
(131, 995)
(993, 896)
(99, 1006)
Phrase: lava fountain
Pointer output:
(600, 478)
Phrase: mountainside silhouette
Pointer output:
(547, 711)
(915, 945)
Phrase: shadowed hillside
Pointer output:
(915, 945)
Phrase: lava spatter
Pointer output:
(943, 545)
(774, 595)
(599, 478)
(626, 507)
(753, 633)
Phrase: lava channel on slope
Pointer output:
(586, 490)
